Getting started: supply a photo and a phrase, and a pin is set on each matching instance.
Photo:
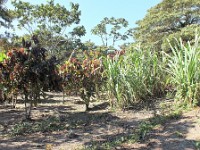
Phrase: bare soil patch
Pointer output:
(68, 127)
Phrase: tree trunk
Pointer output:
(97, 91)
(85, 98)
(1, 96)
(63, 97)
(86, 107)
(28, 107)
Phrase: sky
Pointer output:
(93, 11)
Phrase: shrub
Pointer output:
(83, 76)
(28, 71)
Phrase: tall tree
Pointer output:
(5, 18)
(109, 29)
(168, 19)
(49, 21)
(89, 45)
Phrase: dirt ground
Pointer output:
(81, 129)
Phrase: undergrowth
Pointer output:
(48, 125)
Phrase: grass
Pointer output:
(140, 75)
(183, 68)
(179, 134)
(48, 125)
(133, 77)
(197, 145)
(111, 144)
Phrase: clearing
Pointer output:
(58, 126)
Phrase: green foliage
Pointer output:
(183, 67)
(88, 45)
(82, 75)
(50, 22)
(144, 128)
(167, 19)
(197, 145)
(134, 77)
(109, 29)
(111, 144)
(2, 56)
(28, 71)
(5, 16)
(187, 34)
(20, 129)
(48, 125)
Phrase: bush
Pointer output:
(29, 72)
(83, 76)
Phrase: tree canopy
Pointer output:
(168, 19)
(5, 18)
(110, 29)
(49, 21)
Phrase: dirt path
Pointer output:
(59, 126)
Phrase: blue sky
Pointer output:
(93, 11)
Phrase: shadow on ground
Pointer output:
(173, 136)
(72, 128)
